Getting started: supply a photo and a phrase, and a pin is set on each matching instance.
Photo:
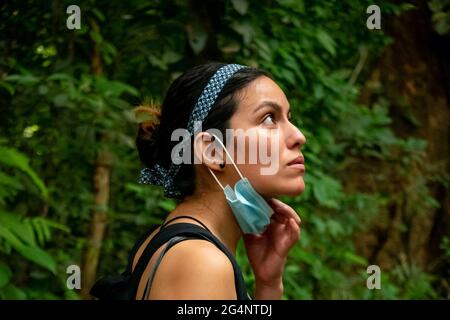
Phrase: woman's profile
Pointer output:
(210, 145)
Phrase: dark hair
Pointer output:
(153, 140)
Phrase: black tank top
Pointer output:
(171, 235)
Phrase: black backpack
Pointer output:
(125, 285)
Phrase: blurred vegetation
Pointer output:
(67, 95)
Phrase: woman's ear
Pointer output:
(208, 152)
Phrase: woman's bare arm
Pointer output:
(194, 269)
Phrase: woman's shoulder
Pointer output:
(196, 267)
(197, 255)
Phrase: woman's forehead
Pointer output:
(259, 90)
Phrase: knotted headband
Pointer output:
(158, 175)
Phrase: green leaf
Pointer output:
(14, 158)
(32, 253)
(5, 274)
(8, 87)
(167, 205)
(240, 6)
(155, 61)
(96, 36)
(334, 227)
(20, 228)
(197, 37)
(53, 224)
(27, 79)
(113, 88)
(38, 256)
(9, 237)
(9, 181)
(354, 258)
(38, 231)
(171, 57)
(11, 292)
(98, 14)
(306, 257)
(327, 191)
(326, 41)
(59, 76)
(245, 29)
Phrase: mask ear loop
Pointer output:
(231, 159)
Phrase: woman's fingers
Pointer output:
(282, 208)
(294, 232)
(288, 237)
(280, 218)
(295, 229)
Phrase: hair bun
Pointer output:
(148, 117)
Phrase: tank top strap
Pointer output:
(183, 231)
(163, 225)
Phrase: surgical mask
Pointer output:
(250, 209)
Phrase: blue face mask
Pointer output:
(251, 211)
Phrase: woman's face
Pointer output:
(271, 141)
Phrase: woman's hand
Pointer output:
(267, 253)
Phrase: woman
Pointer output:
(221, 96)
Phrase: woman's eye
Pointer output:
(269, 119)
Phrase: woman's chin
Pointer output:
(278, 188)
(294, 188)
(289, 189)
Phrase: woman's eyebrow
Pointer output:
(271, 104)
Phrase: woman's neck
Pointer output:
(213, 210)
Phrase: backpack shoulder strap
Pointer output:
(188, 230)
(136, 247)
(147, 234)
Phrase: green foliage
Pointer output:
(21, 236)
(59, 115)
(441, 16)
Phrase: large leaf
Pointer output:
(9, 237)
(327, 191)
(14, 158)
(27, 79)
(32, 253)
(20, 229)
(38, 256)
(11, 292)
(5, 274)
(326, 41)
(354, 258)
(113, 88)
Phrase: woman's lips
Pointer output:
(298, 166)
(298, 163)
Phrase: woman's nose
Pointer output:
(295, 138)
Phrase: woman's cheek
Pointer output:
(269, 152)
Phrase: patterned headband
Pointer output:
(158, 175)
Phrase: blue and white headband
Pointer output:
(158, 175)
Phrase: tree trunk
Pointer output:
(101, 188)
(97, 224)
(414, 75)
